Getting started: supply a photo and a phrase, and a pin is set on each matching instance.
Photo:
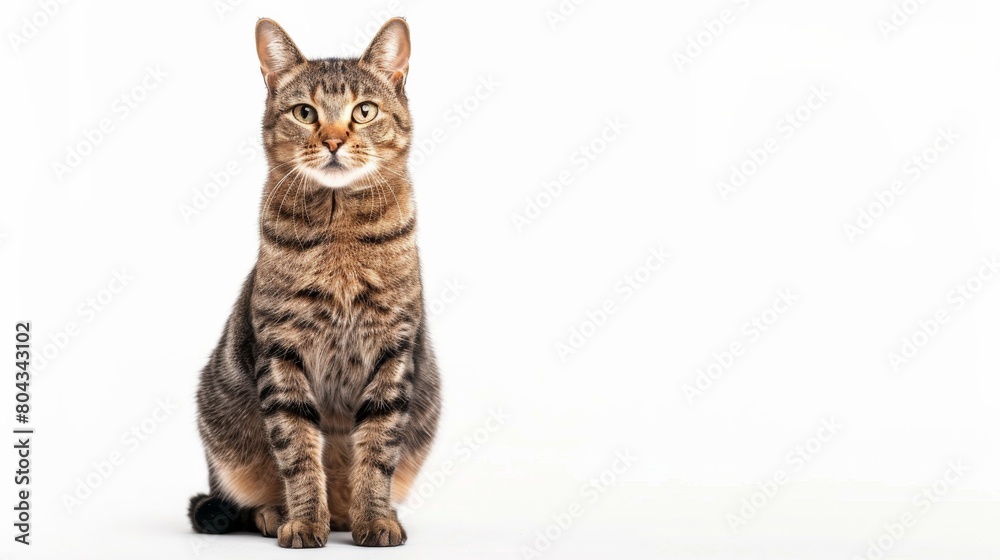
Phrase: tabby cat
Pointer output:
(320, 401)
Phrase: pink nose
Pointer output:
(333, 144)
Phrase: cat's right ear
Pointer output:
(389, 51)
(276, 51)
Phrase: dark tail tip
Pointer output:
(214, 515)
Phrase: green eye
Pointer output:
(305, 113)
(364, 112)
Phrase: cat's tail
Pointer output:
(215, 515)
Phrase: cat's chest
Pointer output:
(338, 362)
(340, 276)
(352, 303)
(340, 309)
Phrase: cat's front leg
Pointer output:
(293, 426)
(379, 424)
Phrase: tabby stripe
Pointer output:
(373, 217)
(303, 410)
(396, 437)
(407, 229)
(286, 353)
(264, 370)
(275, 433)
(326, 317)
(266, 391)
(305, 324)
(276, 318)
(287, 243)
(354, 360)
(387, 354)
(378, 501)
(385, 468)
(294, 469)
(399, 123)
(312, 293)
(287, 213)
(377, 409)
(366, 300)
(307, 501)
(368, 286)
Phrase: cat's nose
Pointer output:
(334, 135)
(334, 143)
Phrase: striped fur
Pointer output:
(320, 401)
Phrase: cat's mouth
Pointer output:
(335, 174)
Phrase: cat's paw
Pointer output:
(384, 531)
(300, 533)
(268, 519)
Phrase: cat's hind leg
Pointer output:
(267, 520)
(215, 515)
(242, 498)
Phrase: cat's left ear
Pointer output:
(389, 51)
(276, 51)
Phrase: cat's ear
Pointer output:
(389, 51)
(276, 51)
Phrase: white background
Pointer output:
(504, 297)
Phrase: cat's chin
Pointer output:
(338, 177)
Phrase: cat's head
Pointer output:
(336, 122)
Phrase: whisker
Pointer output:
(393, 192)
(371, 190)
(296, 184)
(274, 191)
(281, 165)
(403, 176)
(281, 204)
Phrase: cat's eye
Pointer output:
(305, 114)
(364, 112)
